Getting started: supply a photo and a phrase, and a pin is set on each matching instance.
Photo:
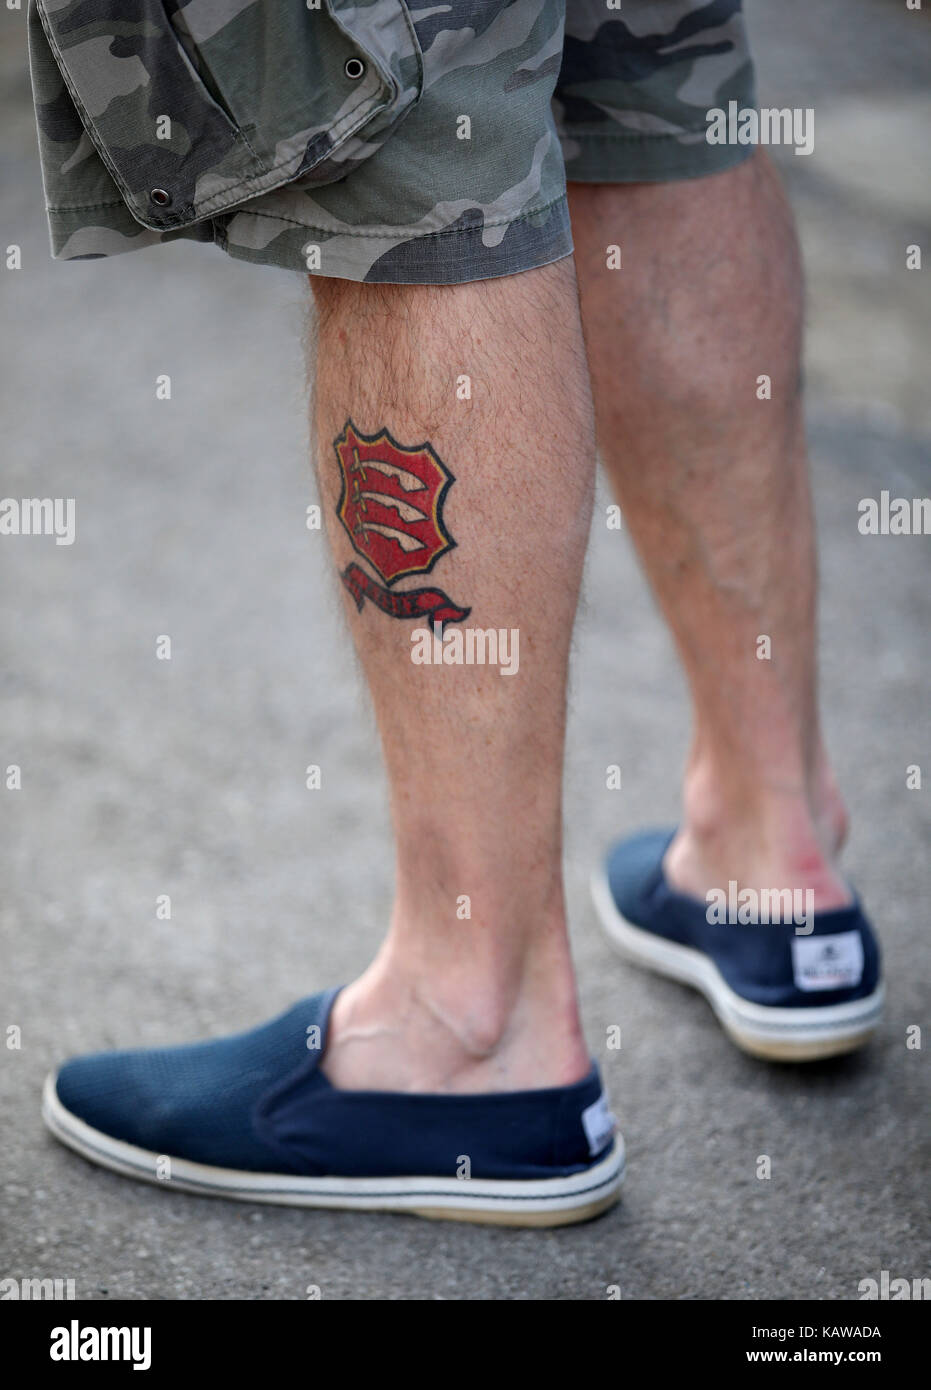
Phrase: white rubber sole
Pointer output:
(548, 1202)
(780, 1035)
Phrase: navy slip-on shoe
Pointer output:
(254, 1117)
(788, 991)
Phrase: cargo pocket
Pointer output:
(197, 108)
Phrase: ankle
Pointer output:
(508, 961)
(828, 807)
(400, 1028)
(773, 838)
(695, 867)
(795, 807)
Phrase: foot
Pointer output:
(796, 989)
(695, 864)
(254, 1117)
(794, 844)
(392, 1031)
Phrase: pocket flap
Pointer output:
(195, 108)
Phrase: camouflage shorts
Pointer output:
(374, 140)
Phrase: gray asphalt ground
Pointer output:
(143, 777)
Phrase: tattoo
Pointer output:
(391, 505)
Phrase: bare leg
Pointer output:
(714, 488)
(474, 757)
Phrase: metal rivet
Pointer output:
(160, 196)
(354, 68)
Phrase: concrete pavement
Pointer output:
(142, 777)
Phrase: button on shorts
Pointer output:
(374, 140)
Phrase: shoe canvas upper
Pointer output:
(771, 964)
(259, 1102)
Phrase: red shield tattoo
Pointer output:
(391, 502)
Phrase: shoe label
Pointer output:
(599, 1124)
(828, 962)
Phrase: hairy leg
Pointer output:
(474, 756)
(713, 484)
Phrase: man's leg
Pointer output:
(713, 486)
(474, 757)
(472, 509)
